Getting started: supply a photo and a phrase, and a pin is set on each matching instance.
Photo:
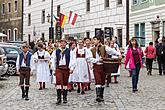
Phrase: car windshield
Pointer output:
(1, 51)
(12, 50)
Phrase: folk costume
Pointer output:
(98, 53)
(42, 59)
(60, 64)
(81, 69)
(71, 79)
(115, 75)
(23, 65)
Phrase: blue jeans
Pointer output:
(135, 76)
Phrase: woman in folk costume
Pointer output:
(81, 70)
(115, 75)
(88, 46)
(98, 52)
(42, 58)
(71, 80)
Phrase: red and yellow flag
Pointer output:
(63, 19)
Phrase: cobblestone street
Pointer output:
(117, 97)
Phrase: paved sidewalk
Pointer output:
(150, 96)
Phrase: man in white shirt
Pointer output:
(60, 64)
(23, 66)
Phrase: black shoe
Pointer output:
(116, 82)
(58, 102)
(82, 92)
(89, 88)
(136, 90)
(26, 93)
(40, 88)
(23, 96)
(160, 74)
(26, 98)
(98, 94)
(65, 101)
(78, 90)
(102, 94)
(70, 90)
(23, 92)
(44, 86)
(58, 97)
(64, 96)
(133, 91)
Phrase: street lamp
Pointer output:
(48, 18)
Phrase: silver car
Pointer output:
(3, 64)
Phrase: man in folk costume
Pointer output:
(80, 57)
(23, 65)
(41, 59)
(60, 63)
(99, 52)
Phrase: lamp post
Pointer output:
(127, 21)
(50, 19)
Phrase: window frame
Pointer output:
(9, 37)
(88, 6)
(3, 8)
(120, 3)
(9, 7)
(29, 2)
(143, 1)
(29, 19)
(105, 3)
(135, 3)
(43, 16)
(15, 8)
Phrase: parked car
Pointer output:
(11, 52)
(3, 64)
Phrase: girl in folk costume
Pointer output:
(90, 65)
(42, 58)
(115, 75)
(71, 80)
(81, 70)
(98, 52)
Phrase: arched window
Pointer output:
(9, 34)
(15, 33)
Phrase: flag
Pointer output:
(72, 18)
(63, 19)
(55, 19)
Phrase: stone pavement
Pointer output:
(151, 95)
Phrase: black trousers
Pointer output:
(149, 62)
(161, 64)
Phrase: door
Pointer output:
(119, 37)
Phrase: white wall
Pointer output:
(98, 17)
(146, 16)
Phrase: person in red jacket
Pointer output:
(150, 52)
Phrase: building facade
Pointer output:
(91, 14)
(11, 19)
(147, 20)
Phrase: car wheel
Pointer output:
(11, 69)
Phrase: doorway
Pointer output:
(119, 37)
